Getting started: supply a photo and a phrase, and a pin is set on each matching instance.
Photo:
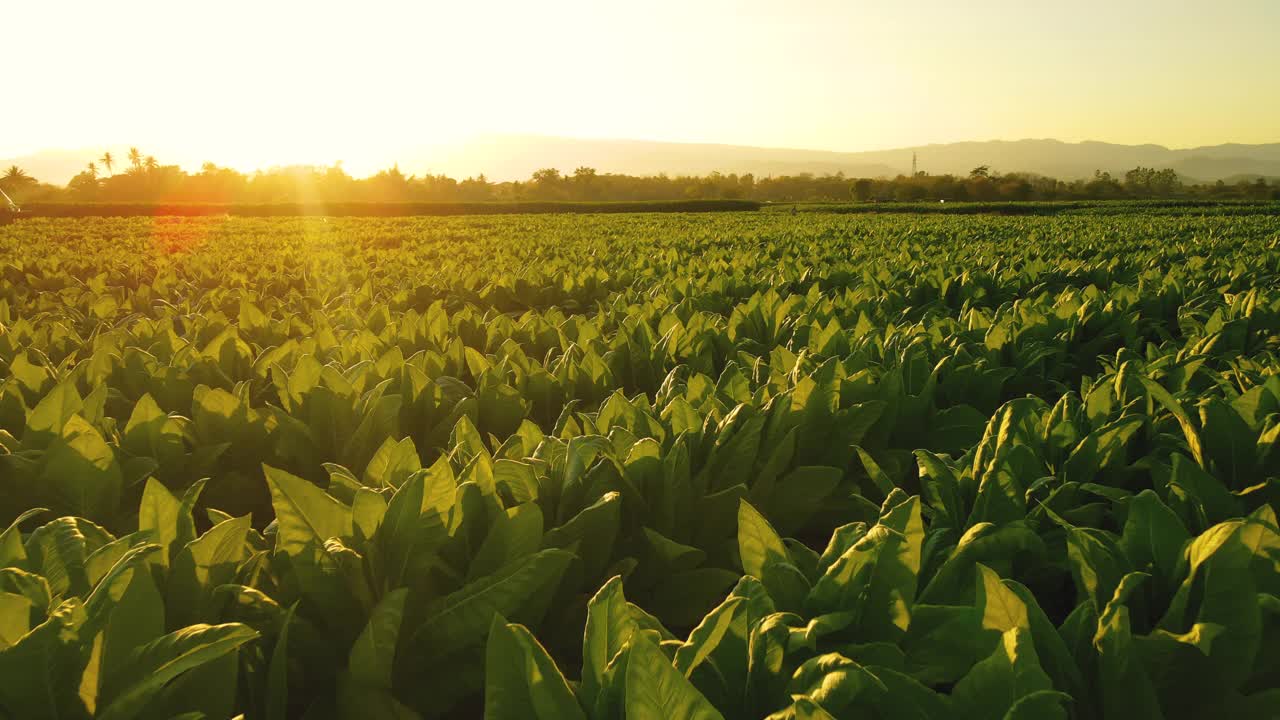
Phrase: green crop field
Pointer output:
(642, 466)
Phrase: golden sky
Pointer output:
(251, 83)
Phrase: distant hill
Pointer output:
(511, 157)
(504, 157)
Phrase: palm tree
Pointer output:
(15, 179)
(150, 163)
(107, 161)
(93, 171)
(135, 158)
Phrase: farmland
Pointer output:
(731, 465)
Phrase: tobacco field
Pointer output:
(642, 466)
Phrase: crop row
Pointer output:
(640, 466)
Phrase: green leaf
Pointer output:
(610, 625)
(204, 564)
(361, 701)
(40, 673)
(373, 655)
(277, 686)
(416, 521)
(1125, 688)
(57, 551)
(875, 578)
(657, 691)
(1153, 537)
(1209, 500)
(1097, 564)
(304, 512)
(1039, 704)
(764, 556)
(459, 619)
(521, 679)
(1002, 609)
(516, 535)
(802, 709)
(1229, 443)
(835, 682)
(15, 618)
(1010, 674)
(392, 464)
(137, 618)
(80, 472)
(591, 533)
(128, 690)
(12, 552)
(882, 482)
(367, 511)
(1189, 429)
(758, 543)
(159, 514)
(48, 418)
(706, 637)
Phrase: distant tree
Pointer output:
(547, 183)
(862, 189)
(390, 185)
(1148, 182)
(909, 192)
(135, 159)
(546, 175)
(16, 180)
(1103, 186)
(585, 183)
(981, 171)
(107, 161)
(85, 185)
(1016, 189)
(1165, 182)
(476, 188)
(150, 163)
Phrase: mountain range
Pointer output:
(511, 157)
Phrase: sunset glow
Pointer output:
(252, 84)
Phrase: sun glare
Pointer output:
(251, 84)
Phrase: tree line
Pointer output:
(140, 178)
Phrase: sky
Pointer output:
(254, 83)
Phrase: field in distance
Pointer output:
(731, 465)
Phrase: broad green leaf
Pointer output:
(835, 682)
(79, 471)
(460, 619)
(277, 685)
(373, 656)
(1010, 674)
(12, 552)
(516, 535)
(127, 691)
(656, 691)
(57, 551)
(610, 625)
(160, 514)
(304, 512)
(41, 672)
(758, 544)
(521, 679)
